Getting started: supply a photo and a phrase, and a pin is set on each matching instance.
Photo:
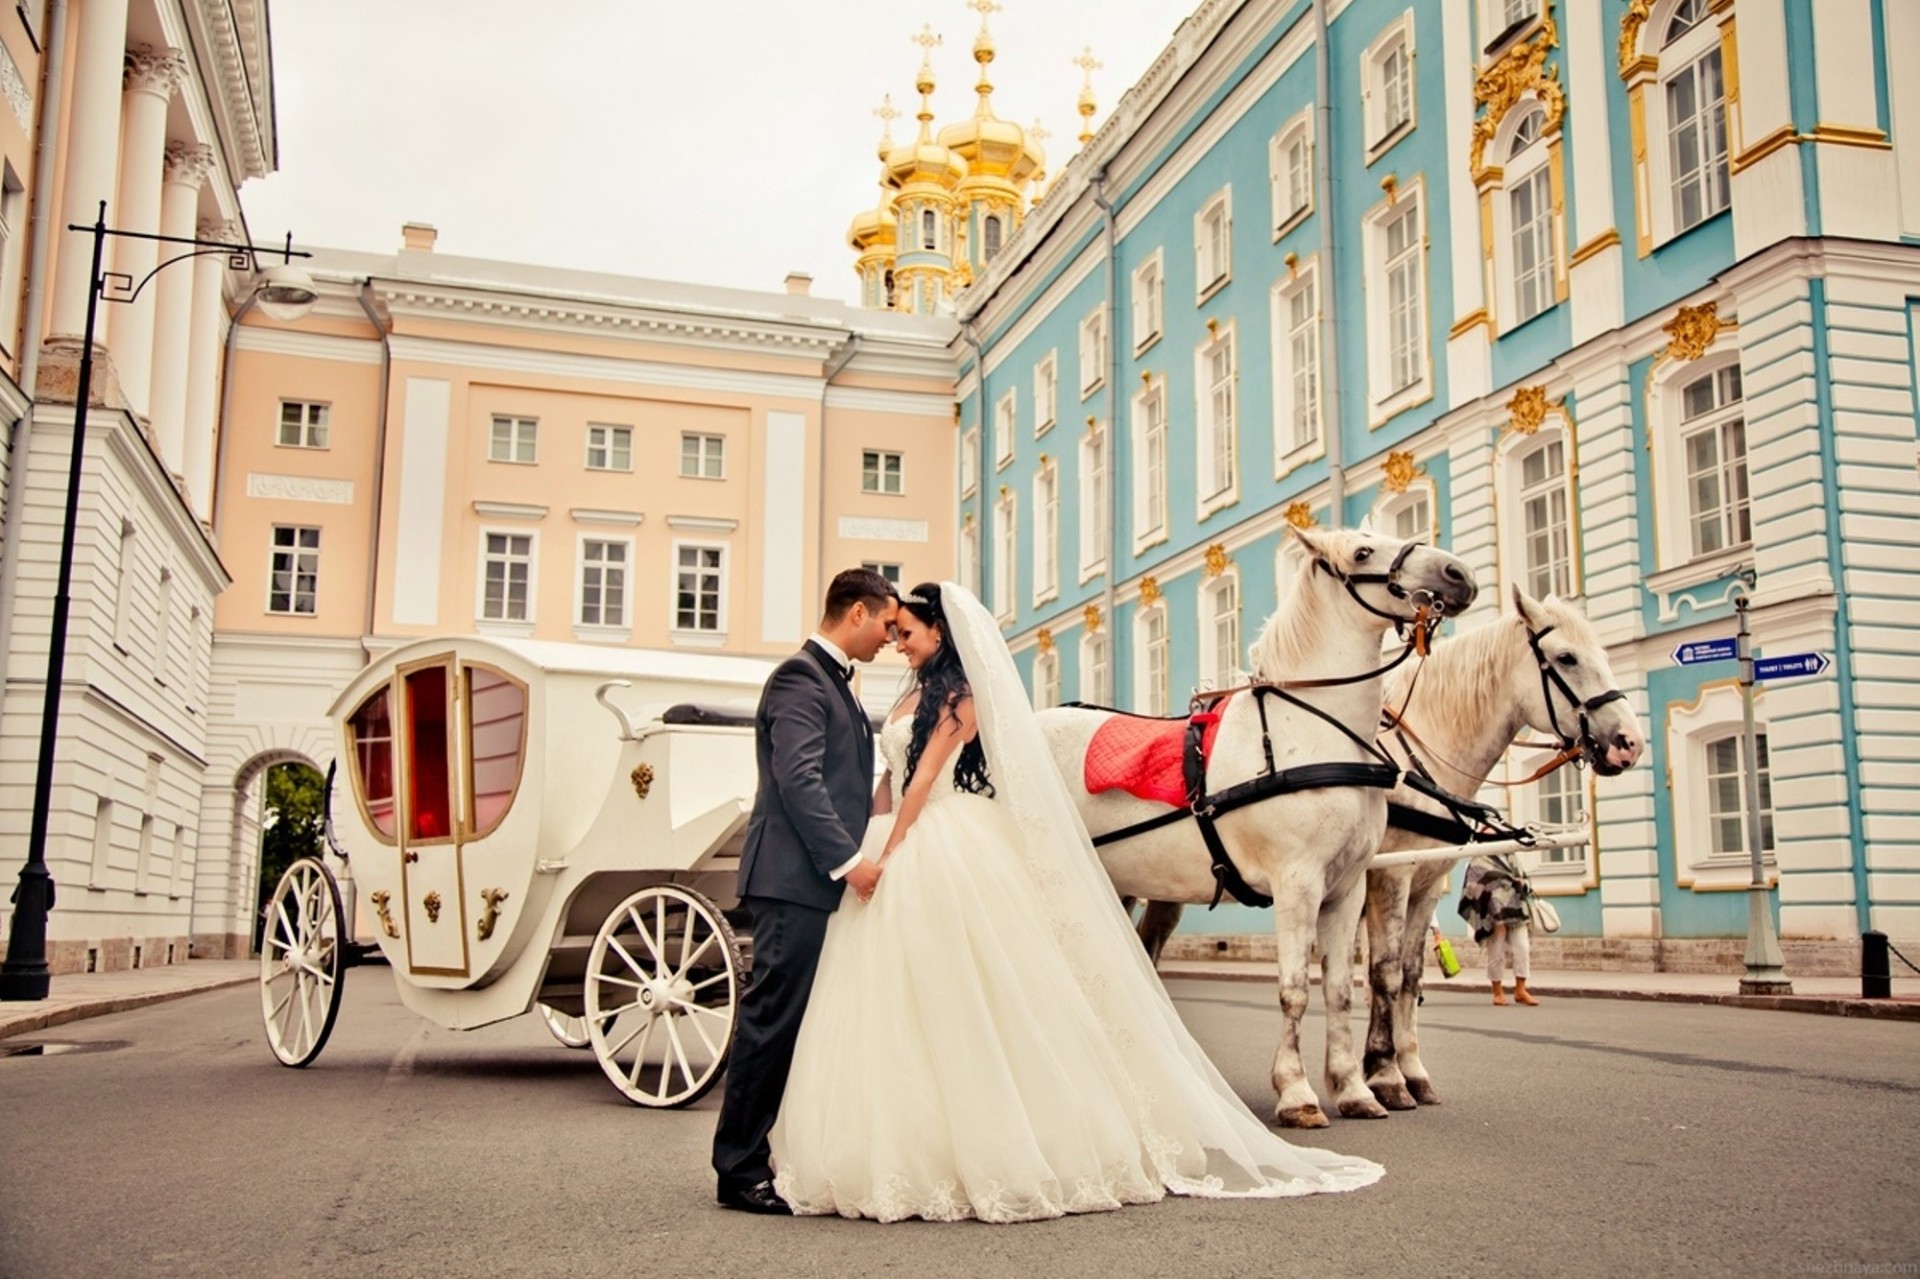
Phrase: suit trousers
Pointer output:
(787, 938)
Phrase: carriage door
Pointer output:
(430, 871)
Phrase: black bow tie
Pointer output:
(846, 672)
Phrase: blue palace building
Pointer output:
(1616, 299)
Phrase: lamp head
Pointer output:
(285, 293)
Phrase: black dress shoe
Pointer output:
(756, 1198)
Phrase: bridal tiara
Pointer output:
(911, 598)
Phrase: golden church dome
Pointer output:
(989, 146)
(923, 159)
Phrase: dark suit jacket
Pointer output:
(814, 746)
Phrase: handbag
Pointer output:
(1444, 956)
(1546, 916)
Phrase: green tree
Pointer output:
(291, 827)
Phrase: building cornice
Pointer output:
(230, 37)
(603, 368)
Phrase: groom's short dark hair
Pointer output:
(858, 586)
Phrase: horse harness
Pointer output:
(1379, 772)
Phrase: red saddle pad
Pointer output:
(1142, 757)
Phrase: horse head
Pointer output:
(1388, 577)
(1579, 700)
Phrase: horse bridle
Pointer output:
(1551, 679)
(1432, 609)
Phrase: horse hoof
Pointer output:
(1394, 1096)
(1362, 1108)
(1423, 1092)
(1308, 1116)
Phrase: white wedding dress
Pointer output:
(976, 1046)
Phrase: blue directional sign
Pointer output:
(1712, 650)
(1790, 666)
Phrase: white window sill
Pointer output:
(1145, 344)
(1147, 541)
(1704, 569)
(1561, 871)
(1391, 140)
(1297, 458)
(588, 634)
(509, 630)
(1043, 428)
(1090, 571)
(1220, 501)
(698, 639)
(1398, 402)
(1092, 386)
(1286, 225)
(1003, 462)
(1046, 597)
(1219, 282)
(709, 478)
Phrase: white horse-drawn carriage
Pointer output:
(508, 845)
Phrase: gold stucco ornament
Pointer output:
(642, 779)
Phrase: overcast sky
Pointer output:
(717, 141)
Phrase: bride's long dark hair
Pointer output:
(942, 682)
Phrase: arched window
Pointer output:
(990, 236)
(929, 230)
(1696, 95)
(1529, 194)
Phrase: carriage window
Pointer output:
(498, 709)
(429, 797)
(372, 729)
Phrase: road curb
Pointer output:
(1825, 1005)
(42, 1019)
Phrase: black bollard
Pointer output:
(1876, 977)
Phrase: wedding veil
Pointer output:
(1201, 1138)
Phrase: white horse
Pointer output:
(1305, 848)
(1540, 666)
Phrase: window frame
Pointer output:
(505, 624)
(1006, 555)
(615, 434)
(1655, 66)
(1046, 393)
(1148, 435)
(1227, 585)
(1094, 353)
(274, 549)
(1095, 518)
(879, 473)
(717, 455)
(1149, 284)
(1046, 679)
(969, 468)
(1675, 564)
(1295, 132)
(1384, 400)
(1289, 450)
(1533, 168)
(1383, 135)
(716, 633)
(1006, 421)
(1714, 422)
(306, 426)
(1715, 715)
(1390, 507)
(1517, 536)
(1153, 642)
(1213, 229)
(1210, 494)
(1096, 668)
(1046, 531)
(624, 624)
(520, 430)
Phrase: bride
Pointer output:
(985, 1037)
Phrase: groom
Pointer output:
(814, 745)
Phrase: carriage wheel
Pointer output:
(663, 986)
(302, 962)
(570, 1031)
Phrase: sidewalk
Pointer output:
(1834, 996)
(76, 995)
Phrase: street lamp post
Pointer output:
(285, 292)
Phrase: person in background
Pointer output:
(1497, 903)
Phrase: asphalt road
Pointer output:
(1580, 1137)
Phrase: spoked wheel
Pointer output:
(302, 962)
(570, 1031)
(663, 986)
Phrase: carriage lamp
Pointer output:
(284, 292)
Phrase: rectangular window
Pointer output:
(1224, 631)
(1096, 681)
(1406, 305)
(1046, 681)
(1532, 207)
(303, 425)
(603, 583)
(294, 576)
(1149, 301)
(1095, 526)
(699, 588)
(1290, 170)
(1413, 518)
(1544, 525)
(506, 577)
(1003, 424)
(1727, 799)
(1563, 802)
(1396, 88)
(514, 439)
(969, 460)
(1150, 462)
(881, 472)
(1156, 663)
(163, 629)
(1046, 533)
(970, 554)
(1697, 141)
(1046, 388)
(1715, 439)
(1218, 474)
(102, 842)
(1213, 244)
(609, 448)
(885, 569)
(1298, 328)
(1005, 552)
(1093, 351)
(13, 199)
(703, 457)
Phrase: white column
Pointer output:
(187, 166)
(205, 338)
(152, 75)
(92, 144)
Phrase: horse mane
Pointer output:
(1295, 632)
(1463, 678)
